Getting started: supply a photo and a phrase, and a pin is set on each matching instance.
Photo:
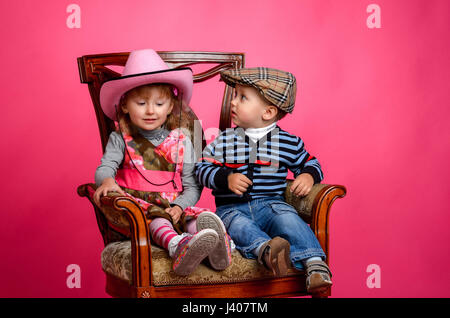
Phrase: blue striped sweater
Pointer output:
(265, 162)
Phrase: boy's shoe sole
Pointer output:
(275, 255)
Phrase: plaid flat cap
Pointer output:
(278, 87)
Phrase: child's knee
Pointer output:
(158, 222)
(237, 223)
(288, 225)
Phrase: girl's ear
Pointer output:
(169, 110)
(123, 104)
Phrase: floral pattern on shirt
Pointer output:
(168, 149)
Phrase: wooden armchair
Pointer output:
(136, 268)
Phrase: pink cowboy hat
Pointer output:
(144, 67)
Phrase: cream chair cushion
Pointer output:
(116, 260)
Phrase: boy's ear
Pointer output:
(270, 112)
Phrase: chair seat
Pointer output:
(116, 261)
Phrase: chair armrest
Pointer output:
(303, 205)
(307, 206)
(113, 223)
(138, 230)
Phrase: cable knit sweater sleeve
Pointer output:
(111, 160)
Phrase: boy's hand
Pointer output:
(302, 184)
(238, 183)
(108, 185)
(175, 212)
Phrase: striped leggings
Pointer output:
(161, 231)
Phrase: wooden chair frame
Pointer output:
(93, 70)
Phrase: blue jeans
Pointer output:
(252, 223)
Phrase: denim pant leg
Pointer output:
(281, 219)
(242, 228)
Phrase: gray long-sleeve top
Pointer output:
(114, 155)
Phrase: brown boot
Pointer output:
(274, 254)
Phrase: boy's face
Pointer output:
(148, 107)
(249, 108)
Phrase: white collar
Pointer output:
(257, 133)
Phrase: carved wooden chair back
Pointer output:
(96, 69)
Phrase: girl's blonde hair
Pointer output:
(173, 118)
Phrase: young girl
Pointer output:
(150, 159)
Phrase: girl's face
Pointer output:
(148, 107)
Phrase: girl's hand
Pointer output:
(238, 183)
(302, 184)
(175, 212)
(108, 185)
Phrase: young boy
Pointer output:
(247, 168)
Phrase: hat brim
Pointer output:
(112, 90)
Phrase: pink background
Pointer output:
(372, 105)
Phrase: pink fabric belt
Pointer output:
(132, 179)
